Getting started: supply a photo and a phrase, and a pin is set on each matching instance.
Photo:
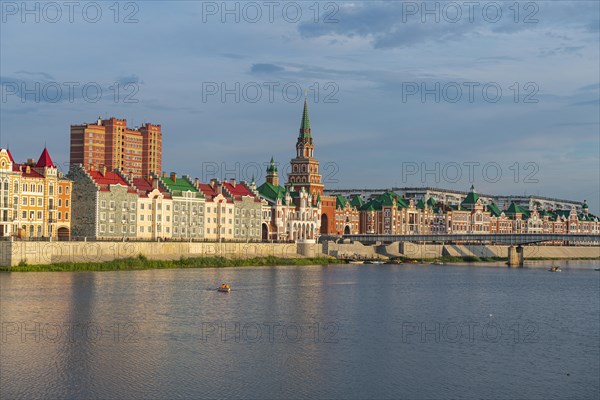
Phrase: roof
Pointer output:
(340, 201)
(516, 209)
(471, 198)
(210, 192)
(305, 124)
(22, 169)
(271, 192)
(178, 185)
(10, 157)
(109, 178)
(145, 186)
(239, 190)
(357, 202)
(45, 160)
(494, 210)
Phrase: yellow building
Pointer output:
(36, 203)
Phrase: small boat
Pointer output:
(355, 262)
(555, 269)
(224, 288)
(375, 262)
(437, 263)
(596, 269)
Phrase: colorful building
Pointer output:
(29, 196)
(154, 209)
(188, 216)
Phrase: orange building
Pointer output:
(109, 143)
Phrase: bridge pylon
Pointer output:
(515, 256)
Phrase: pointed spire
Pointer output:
(45, 160)
(305, 125)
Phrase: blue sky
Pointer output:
(378, 67)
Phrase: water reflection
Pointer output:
(302, 332)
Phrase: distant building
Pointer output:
(109, 143)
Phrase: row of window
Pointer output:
(39, 216)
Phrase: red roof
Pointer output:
(110, 178)
(210, 192)
(22, 168)
(10, 157)
(238, 190)
(145, 186)
(45, 160)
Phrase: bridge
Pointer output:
(511, 239)
(514, 241)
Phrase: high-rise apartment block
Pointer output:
(109, 143)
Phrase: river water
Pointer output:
(335, 331)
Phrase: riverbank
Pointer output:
(142, 263)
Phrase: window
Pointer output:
(40, 189)
(66, 216)
(102, 203)
(60, 202)
(60, 215)
(102, 228)
(32, 201)
(51, 190)
(132, 205)
(132, 229)
(111, 229)
(40, 202)
(24, 215)
(112, 205)
(24, 202)
(67, 190)
(102, 216)
(59, 189)
(142, 206)
(123, 229)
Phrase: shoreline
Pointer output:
(141, 263)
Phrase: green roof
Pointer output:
(420, 204)
(180, 185)
(340, 201)
(305, 124)
(387, 199)
(516, 209)
(494, 210)
(431, 202)
(372, 205)
(357, 202)
(402, 203)
(271, 191)
(471, 198)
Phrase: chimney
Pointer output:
(173, 176)
(232, 180)
(104, 170)
(196, 182)
(91, 168)
(99, 121)
(154, 183)
(164, 174)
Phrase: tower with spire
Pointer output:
(304, 167)
(272, 177)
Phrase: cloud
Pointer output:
(265, 69)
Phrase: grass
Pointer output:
(142, 263)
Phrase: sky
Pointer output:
(502, 95)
